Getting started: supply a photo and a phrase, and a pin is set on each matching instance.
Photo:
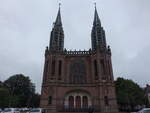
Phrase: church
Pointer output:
(76, 81)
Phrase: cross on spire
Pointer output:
(58, 19)
(96, 17)
(59, 3)
(57, 34)
(95, 4)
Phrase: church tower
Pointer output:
(76, 81)
(57, 35)
(98, 34)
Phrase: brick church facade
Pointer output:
(78, 80)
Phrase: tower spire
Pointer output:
(98, 33)
(57, 34)
(95, 4)
(96, 17)
(58, 18)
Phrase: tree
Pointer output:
(1, 84)
(35, 101)
(14, 101)
(20, 89)
(129, 94)
(4, 97)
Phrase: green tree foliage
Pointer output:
(4, 97)
(1, 84)
(14, 101)
(20, 88)
(18, 91)
(35, 101)
(129, 94)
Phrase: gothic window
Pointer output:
(85, 102)
(102, 66)
(108, 70)
(106, 101)
(60, 69)
(61, 41)
(50, 100)
(77, 72)
(53, 67)
(106, 90)
(109, 65)
(95, 70)
(46, 67)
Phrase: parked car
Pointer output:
(36, 110)
(19, 109)
(11, 110)
(25, 109)
(0, 110)
(144, 110)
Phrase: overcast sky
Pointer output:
(25, 27)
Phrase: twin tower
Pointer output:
(57, 34)
(76, 81)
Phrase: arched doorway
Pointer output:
(78, 102)
(77, 99)
(85, 102)
(71, 102)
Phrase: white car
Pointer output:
(0, 110)
(36, 110)
(24, 109)
(11, 110)
(144, 110)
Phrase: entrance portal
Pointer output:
(77, 100)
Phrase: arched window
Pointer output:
(106, 101)
(95, 70)
(50, 100)
(77, 72)
(46, 70)
(85, 102)
(46, 67)
(103, 67)
(71, 102)
(60, 69)
(53, 67)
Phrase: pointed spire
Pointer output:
(96, 17)
(98, 33)
(57, 34)
(58, 19)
